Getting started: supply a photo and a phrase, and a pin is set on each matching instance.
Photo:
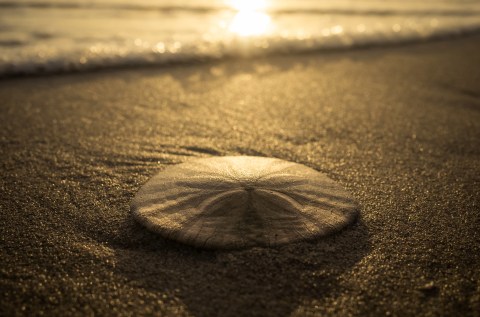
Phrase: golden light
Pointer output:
(248, 5)
(249, 20)
(247, 23)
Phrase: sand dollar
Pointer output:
(242, 201)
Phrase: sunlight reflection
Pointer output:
(247, 23)
(249, 20)
(248, 5)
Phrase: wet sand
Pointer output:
(398, 127)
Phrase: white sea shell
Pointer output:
(242, 201)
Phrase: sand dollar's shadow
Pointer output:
(250, 282)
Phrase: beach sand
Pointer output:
(399, 127)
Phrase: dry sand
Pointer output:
(398, 127)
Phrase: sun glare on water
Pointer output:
(249, 19)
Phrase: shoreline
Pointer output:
(472, 34)
(399, 127)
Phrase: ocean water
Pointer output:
(43, 36)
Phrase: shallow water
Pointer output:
(54, 35)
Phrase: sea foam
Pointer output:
(60, 36)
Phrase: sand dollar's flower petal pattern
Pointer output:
(242, 201)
